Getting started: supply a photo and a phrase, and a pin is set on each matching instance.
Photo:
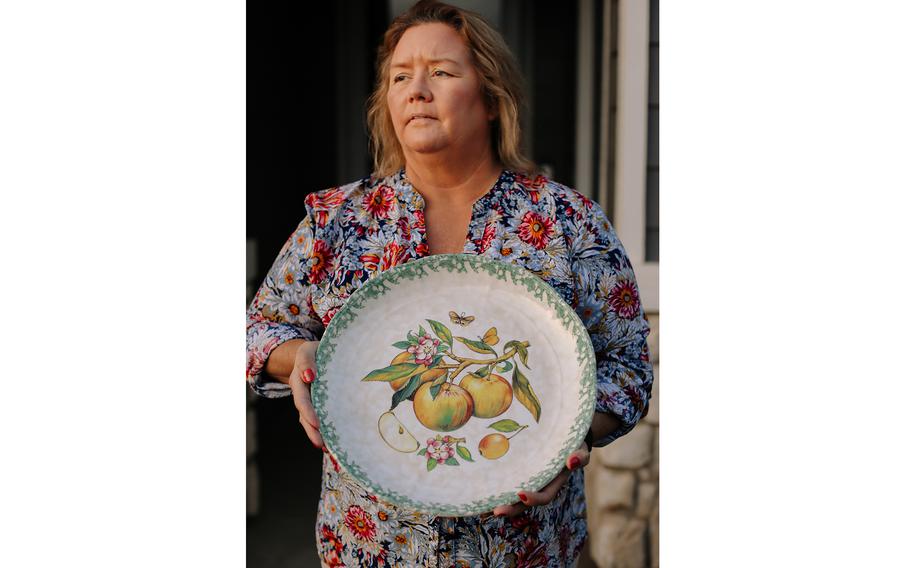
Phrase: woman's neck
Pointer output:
(452, 183)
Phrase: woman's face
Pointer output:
(431, 74)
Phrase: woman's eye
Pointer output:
(438, 71)
(398, 78)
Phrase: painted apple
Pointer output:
(493, 446)
(396, 435)
(451, 409)
(492, 394)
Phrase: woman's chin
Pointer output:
(425, 145)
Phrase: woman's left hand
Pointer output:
(577, 459)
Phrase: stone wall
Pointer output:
(621, 484)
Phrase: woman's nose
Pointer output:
(419, 89)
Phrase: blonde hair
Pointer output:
(500, 80)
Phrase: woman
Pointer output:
(450, 178)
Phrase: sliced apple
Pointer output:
(396, 435)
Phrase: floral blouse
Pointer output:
(356, 231)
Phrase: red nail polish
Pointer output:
(309, 376)
(574, 462)
(523, 497)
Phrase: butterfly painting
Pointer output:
(460, 319)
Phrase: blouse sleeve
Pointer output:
(609, 306)
(281, 310)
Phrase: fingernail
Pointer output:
(308, 376)
(325, 451)
(523, 497)
(574, 462)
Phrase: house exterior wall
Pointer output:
(622, 487)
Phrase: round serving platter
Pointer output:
(449, 383)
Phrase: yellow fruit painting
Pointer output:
(450, 380)
(492, 394)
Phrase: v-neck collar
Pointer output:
(411, 200)
(409, 195)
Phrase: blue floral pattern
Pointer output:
(353, 232)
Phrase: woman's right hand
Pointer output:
(302, 375)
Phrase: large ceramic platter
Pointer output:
(449, 383)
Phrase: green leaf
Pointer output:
(392, 372)
(451, 461)
(441, 331)
(422, 452)
(431, 463)
(464, 453)
(476, 346)
(520, 348)
(406, 391)
(504, 367)
(523, 354)
(412, 338)
(525, 394)
(439, 380)
(402, 344)
(421, 332)
(505, 425)
(436, 360)
(434, 389)
(482, 372)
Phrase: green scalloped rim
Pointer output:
(376, 287)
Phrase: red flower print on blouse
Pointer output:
(623, 298)
(404, 228)
(535, 230)
(370, 261)
(420, 222)
(330, 538)
(537, 183)
(322, 202)
(393, 255)
(533, 185)
(636, 399)
(334, 463)
(333, 559)
(322, 258)
(321, 217)
(488, 233)
(379, 201)
(531, 554)
(327, 317)
(360, 524)
(331, 198)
